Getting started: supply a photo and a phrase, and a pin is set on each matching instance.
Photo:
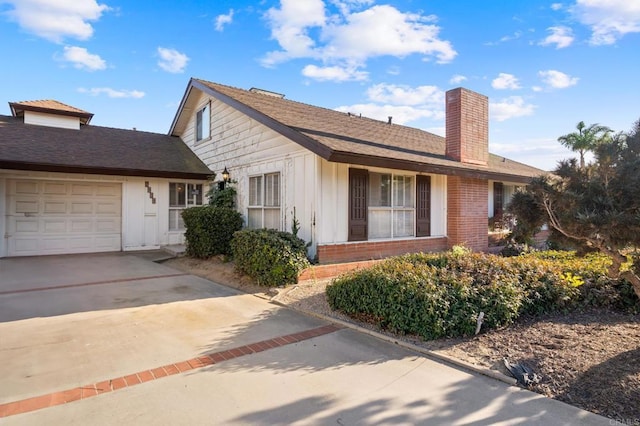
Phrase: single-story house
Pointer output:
(359, 188)
(70, 187)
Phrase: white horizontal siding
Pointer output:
(51, 120)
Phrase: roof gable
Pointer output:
(50, 106)
(347, 138)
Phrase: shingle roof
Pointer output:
(50, 105)
(96, 150)
(347, 138)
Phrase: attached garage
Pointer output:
(56, 217)
(70, 187)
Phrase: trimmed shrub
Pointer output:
(429, 295)
(271, 257)
(438, 295)
(210, 230)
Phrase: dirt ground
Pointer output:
(589, 359)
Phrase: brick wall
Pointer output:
(467, 126)
(368, 250)
(467, 212)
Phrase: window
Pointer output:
(391, 206)
(181, 196)
(264, 201)
(385, 205)
(203, 126)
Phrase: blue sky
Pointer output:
(544, 65)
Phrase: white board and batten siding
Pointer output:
(248, 148)
(316, 188)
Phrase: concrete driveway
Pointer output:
(117, 339)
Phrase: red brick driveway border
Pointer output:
(94, 389)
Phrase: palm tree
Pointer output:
(585, 139)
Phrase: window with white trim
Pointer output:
(181, 196)
(391, 206)
(203, 123)
(264, 201)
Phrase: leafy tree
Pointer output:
(598, 207)
(585, 139)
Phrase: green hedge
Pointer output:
(210, 230)
(437, 295)
(271, 257)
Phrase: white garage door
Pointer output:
(57, 217)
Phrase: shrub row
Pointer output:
(271, 257)
(437, 295)
(210, 230)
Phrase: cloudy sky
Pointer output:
(544, 65)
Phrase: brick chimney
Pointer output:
(467, 127)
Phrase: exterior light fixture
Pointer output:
(225, 175)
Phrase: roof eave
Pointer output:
(61, 168)
(421, 167)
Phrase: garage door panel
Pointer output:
(53, 226)
(107, 208)
(107, 225)
(81, 207)
(54, 188)
(81, 225)
(82, 189)
(25, 206)
(26, 225)
(54, 207)
(50, 217)
(23, 246)
(107, 191)
(25, 187)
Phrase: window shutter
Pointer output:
(358, 206)
(498, 199)
(423, 206)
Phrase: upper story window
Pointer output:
(181, 196)
(203, 123)
(264, 201)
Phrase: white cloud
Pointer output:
(403, 103)
(56, 20)
(557, 79)
(609, 20)
(511, 107)
(560, 36)
(82, 59)
(112, 93)
(505, 39)
(505, 81)
(334, 73)
(171, 60)
(457, 79)
(406, 95)
(401, 114)
(222, 20)
(556, 6)
(348, 38)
